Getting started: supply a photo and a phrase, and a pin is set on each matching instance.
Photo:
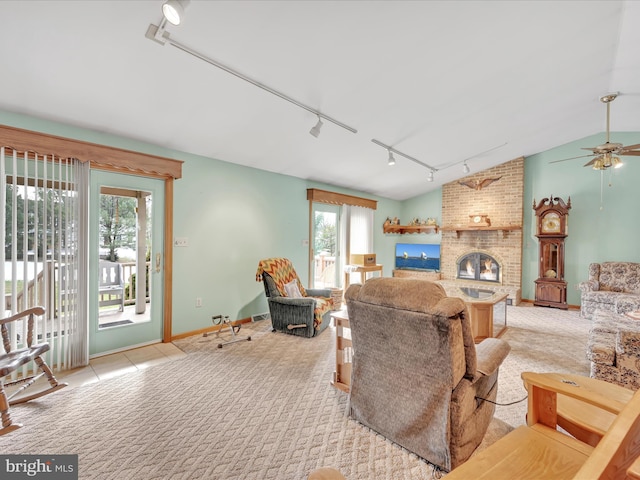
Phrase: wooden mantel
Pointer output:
(500, 229)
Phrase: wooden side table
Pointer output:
(344, 351)
(362, 270)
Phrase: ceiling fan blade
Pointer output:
(633, 153)
(629, 150)
(632, 147)
(572, 158)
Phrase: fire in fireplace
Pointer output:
(479, 266)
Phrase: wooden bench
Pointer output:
(111, 284)
(538, 450)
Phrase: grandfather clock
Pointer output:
(552, 214)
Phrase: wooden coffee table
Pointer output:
(488, 311)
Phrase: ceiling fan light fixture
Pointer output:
(173, 10)
(598, 164)
(392, 160)
(616, 162)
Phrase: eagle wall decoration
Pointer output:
(479, 184)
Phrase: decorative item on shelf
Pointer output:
(479, 184)
(415, 226)
(479, 220)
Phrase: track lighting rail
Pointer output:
(408, 157)
(160, 35)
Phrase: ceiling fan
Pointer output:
(605, 155)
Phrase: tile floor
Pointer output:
(110, 366)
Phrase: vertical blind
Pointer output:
(44, 238)
(357, 225)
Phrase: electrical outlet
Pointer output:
(181, 242)
(198, 302)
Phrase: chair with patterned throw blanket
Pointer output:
(23, 326)
(417, 377)
(293, 309)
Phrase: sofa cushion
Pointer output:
(627, 302)
(599, 296)
(620, 277)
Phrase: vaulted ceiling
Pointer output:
(440, 81)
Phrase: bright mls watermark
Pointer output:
(49, 467)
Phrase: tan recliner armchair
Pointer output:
(418, 379)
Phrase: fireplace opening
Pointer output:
(479, 266)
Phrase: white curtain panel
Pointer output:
(358, 233)
(44, 238)
(361, 230)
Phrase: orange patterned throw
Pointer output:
(282, 272)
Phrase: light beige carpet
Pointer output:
(259, 410)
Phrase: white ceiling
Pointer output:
(441, 81)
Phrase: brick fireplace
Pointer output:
(502, 202)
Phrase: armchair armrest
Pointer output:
(589, 286)
(544, 385)
(490, 353)
(319, 292)
(30, 313)
(294, 302)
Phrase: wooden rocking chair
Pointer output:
(11, 360)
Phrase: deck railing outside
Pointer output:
(53, 270)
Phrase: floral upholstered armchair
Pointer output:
(611, 287)
(293, 309)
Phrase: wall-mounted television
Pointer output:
(418, 256)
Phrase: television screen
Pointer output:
(418, 256)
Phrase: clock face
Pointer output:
(477, 219)
(550, 223)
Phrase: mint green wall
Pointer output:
(423, 206)
(232, 217)
(595, 234)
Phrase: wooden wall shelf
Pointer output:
(402, 229)
(501, 230)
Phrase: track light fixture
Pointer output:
(466, 168)
(392, 150)
(173, 10)
(315, 130)
(430, 176)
